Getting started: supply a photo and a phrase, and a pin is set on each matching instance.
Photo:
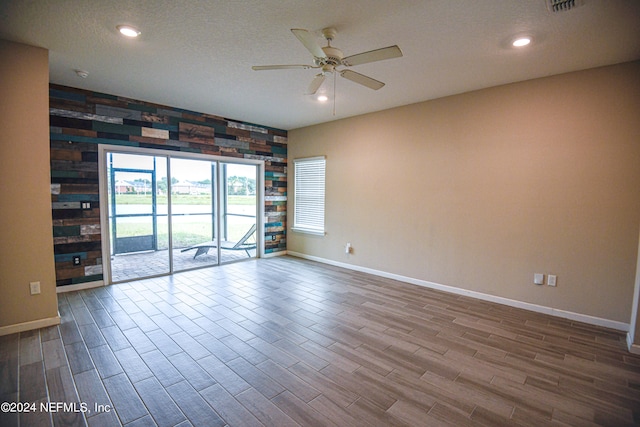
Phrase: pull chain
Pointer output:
(334, 93)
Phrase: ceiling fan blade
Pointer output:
(315, 84)
(309, 41)
(361, 79)
(372, 56)
(280, 67)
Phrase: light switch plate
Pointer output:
(538, 279)
(34, 287)
(551, 280)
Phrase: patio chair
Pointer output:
(240, 245)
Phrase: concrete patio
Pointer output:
(126, 267)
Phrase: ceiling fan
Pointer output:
(328, 58)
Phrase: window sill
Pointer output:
(308, 231)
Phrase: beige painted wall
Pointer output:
(482, 190)
(26, 240)
(634, 329)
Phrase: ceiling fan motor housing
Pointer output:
(334, 55)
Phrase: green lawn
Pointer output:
(181, 199)
(184, 234)
(187, 231)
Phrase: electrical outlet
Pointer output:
(76, 260)
(551, 280)
(34, 287)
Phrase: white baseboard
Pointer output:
(28, 326)
(633, 348)
(79, 286)
(274, 254)
(585, 318)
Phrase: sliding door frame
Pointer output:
(104, 149)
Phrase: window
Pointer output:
(308, 214)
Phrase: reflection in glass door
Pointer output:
(169, 213)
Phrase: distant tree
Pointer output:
(241, 186)
(162, 184)
(251, 187)
(235, 185)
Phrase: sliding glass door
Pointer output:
(172, 213)
(238, 211)
(137, 215)
(193, 213)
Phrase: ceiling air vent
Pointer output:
(562, 5)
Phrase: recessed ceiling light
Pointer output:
(521, 41)
(129, 31)
(322, 98)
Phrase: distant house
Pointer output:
(142, 187)
(189, 187)
(136, 187)
(124, 187)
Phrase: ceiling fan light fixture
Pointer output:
(128, 31)
(521, 41)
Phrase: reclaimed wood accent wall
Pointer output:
(80, 120)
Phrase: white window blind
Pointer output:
(308, 184)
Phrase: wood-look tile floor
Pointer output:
(285, 342)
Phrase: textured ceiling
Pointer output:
(198, 54)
